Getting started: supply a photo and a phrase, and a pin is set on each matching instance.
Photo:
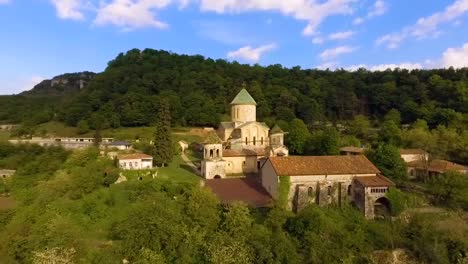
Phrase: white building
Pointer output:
(136, 161)
(121, 145)
(409, 155)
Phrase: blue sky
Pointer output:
(44, 38)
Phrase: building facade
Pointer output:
(135, 161)
(326, 180)
(238, 147)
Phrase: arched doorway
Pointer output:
(381, 207)
(217, 177)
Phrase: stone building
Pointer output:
(326, 180)
(409, 155)
(432, 168)
(135, 161)
(238, 147)
(68, 143)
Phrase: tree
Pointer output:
(393, 115)
(388, 160)
(390, 133)
(298, 136)
(83, 127)
(359, 126)
(448, 187)
(397, 201)
(324, 142)
(163, 147)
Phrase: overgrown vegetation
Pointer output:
(67, 210)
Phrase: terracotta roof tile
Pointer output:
(440, 166)
(133, 156)
(374, 181)
(243, 152)
(240, 189)
(322, 165)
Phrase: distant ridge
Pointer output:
(60, 85)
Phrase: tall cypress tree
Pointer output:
(163, 148)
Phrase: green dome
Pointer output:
(243, 98)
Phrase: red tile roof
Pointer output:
(322, 165)
(243, 152)
(240, 189)
(133, 156)
(374, 181)
(440, 166)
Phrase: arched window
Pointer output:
(246, 141)
(254, 141)
(261, 141)
(349, 190)
(217, 153)
(310, 191)
(211, 153)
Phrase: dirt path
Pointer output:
(190, 163)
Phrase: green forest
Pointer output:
(69, 212)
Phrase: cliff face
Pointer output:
(60, 85)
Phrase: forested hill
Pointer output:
(61, 85)
(200, 90)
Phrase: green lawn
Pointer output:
(177, 171)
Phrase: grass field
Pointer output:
(4, 135)
(177, 171)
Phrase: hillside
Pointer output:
(64, 84)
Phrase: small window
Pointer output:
(254, 141)
(349, 190)
(258, 164)
(261, 141)
(211, 153)
(243, 163)
(217, 153)
(246, 141)
(310, 191)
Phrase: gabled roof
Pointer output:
(240, 189)
(212, 138)
(243, 152)
(133, 156)
(243, 98)
(440, 166)
(254, 123)
(412, 151)
(276, 130)
(322, 165)
(374, 181)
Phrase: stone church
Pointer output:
(238, 147)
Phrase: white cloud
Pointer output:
(129, 14)
(358, 21)
(318, 40)
(69, 9)
(249, 53)
(379, 8)
(341, 35)
(383, 67)
(335, 52)
(4, 1)
(456, 57)
(425, 26)
(327, 65)
(313, 12)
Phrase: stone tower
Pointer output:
(213, 165)
(243, 108)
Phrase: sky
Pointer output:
(44, 38)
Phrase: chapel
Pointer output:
(238, 147)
